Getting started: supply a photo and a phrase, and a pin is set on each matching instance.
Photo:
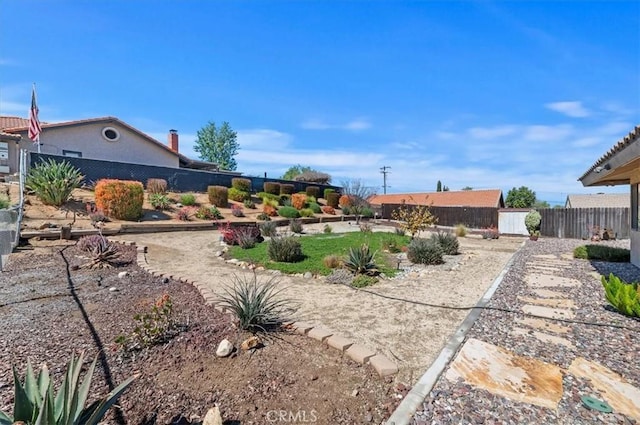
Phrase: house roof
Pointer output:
(11, 137)
(598, 200)
(17, 125)
(615, 166)
(464, 198)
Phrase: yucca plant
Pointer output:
(285, 249)
(447, 241)
(295, 226)
(623, 296)
(102, 253)
(35, 402)
(54, 181)
(159, 201)
(360, 261)
(257, 306)
(268, 228)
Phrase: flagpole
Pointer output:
(34, 122)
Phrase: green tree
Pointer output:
(218, 145)
(294, 171)
(541, 204)
(523, 197)
(439, 186)
(467, 188)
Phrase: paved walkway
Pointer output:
(524, 362)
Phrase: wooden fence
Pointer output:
(473, 217)
(578, 223)
(568, 223)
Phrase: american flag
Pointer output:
(34, 123)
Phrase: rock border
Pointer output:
(356, 352)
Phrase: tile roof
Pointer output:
(599, 200)
(464, 198)
(12, 122)
(8, 136)
(633, 136)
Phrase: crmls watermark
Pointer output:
(291, 417)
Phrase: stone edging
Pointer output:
(361, 354)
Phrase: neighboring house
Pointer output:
(598, 200)
(465, 198)
(7, 142)
(106, 138)
(621, 166)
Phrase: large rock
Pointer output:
(213, 416)
(224, 348)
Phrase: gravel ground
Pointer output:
(457, 403)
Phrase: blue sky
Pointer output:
(472, 93)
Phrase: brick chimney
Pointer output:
(173, 140)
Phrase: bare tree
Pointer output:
(359, 194)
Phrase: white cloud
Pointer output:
(572, 109)
(357, 124)
(263, 137)
(546, 133)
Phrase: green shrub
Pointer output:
(156, 186)
(332, 199)
(447, 241)
(346, 210)
(424, 251)
(121, 199)
(295, 225)
(327, 228)
(315, 207)
(332, 261)
(159, 201)
(272, 188)
(285, 249)
(532, 221)
(307, 212)
(248, 203)
(263, 217)
(218, 196)
(622, 295)
(152, 327)
(238, 195)
(270, 196)
(390, 244)
(360, 261)
(285, 200)
(460, 230)
(313, 191)
(288, 212)
(602, 253)
(33, 399)
(257, 306)
(287, 188)
(54, 181)
(367, 212)
(361, 281)
(208, 213)
(327, 191)
(268, 228)
(4, 202)
(188, 199)
(242, 184)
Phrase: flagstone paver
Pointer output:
(543, 337)
(548, 312)
(549, 302)
(614, 389)
(501, 372)
(546, 293)
(547, 281)
(542, 324)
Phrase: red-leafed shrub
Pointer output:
(344, 201)
(270, 210)
(328, 210)
(299, 200)
(120, 199)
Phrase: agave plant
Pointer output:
(625, 297)
(102, 253)
(35, 402)
(54, 181)
(360, 261)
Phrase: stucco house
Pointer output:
(104, 138)
(621, 166)
(598, 200)
(464, 198)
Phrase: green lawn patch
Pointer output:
(316, 247)
(602, 253)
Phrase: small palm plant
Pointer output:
(36, 403)
(360, 261)
(257, 306)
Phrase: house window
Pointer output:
(635, 206)
(73, 154)
(110, 134)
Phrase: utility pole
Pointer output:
(384, 172)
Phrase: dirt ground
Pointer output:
(50, 308)
(410, 334)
